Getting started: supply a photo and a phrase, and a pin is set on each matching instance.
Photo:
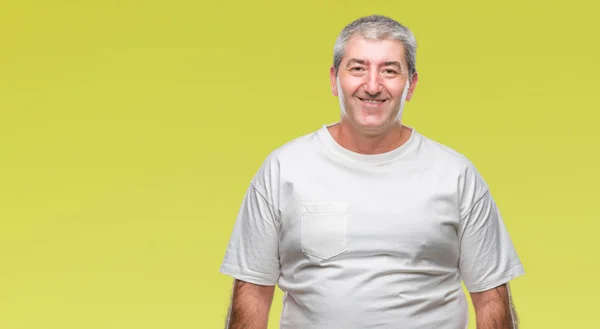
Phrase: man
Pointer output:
(366, 223)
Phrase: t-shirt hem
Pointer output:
(508, 276)
(247, 276)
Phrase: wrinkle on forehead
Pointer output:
(385, 60)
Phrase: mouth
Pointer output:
(372, 102)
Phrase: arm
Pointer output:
(494, 309)
(488, 261)
(250, 306)
(252, 256)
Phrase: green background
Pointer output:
(129, 131)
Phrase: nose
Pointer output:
(373, 82)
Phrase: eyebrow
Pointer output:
(355, 61)
(393, 63)
(388, 63)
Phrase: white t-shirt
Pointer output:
(370, 241)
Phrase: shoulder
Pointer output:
(443, 153)
(445, 156)
(470, 184)
(291, 153)
(295, 149)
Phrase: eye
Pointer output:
(390, 71)
(356, 69)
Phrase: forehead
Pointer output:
(374, 51)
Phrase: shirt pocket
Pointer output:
(324, 228)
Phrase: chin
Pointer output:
(370, 127)
(374, 122)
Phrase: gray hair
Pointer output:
(377, 27)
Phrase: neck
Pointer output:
(354, 140)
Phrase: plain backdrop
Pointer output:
(129, 131)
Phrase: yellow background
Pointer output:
(129, 131)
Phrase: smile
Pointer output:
(372, 101)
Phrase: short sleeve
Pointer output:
(487, 255)
(252, 254)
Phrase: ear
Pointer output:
(413, 85)
(333, 81)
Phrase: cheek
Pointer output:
(397, 96)
(395, 90)
(352, 86)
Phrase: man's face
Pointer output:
(372, 83)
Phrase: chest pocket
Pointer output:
(324, 228)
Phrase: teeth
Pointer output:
(373, 101)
